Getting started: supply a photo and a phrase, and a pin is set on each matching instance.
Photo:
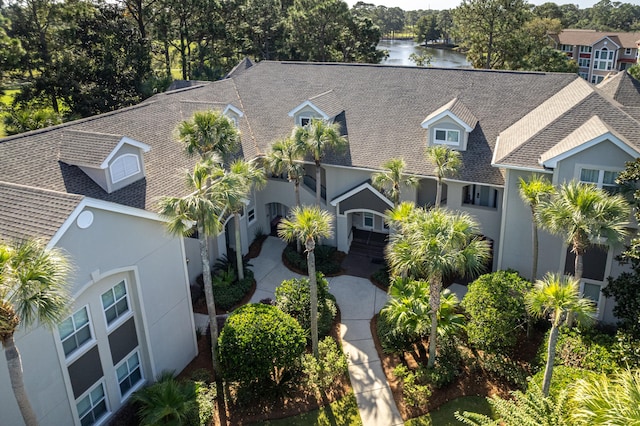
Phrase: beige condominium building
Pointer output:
(597, 53)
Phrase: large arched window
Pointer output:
(124, 166)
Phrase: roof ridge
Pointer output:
(251, 134)
(39, 189)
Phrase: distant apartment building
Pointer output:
(598, 53)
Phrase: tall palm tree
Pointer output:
(209, 132)
(584, 215)
(390, 179)
(447, 163)
(308, 224)
(317, 137)
(33, 288)
(210, 189)
(433, 245)
(532, 192)
(608, 400)
(285, 157)
(248, 176)
(555, 296)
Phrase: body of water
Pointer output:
(399, 51)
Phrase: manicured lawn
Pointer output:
(342, 412)
(443, 416)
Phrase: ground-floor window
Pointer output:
(93, 406)
(367, 220)
(129, 373)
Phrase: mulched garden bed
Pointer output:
(467, 384)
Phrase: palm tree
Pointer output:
(608, 400)
(532, 192)
(248, 176)
(447, 163)
(390, 179)
(317, 137)
(308, 224)
(409, 309)
(433, 245)
(285, 157)
(555, 296)
(209, 132)
(211, 188)
(33, 288)
(584, 215)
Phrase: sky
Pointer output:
(452, 4)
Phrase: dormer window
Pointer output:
(447, 137)
(304, 121)
(124, 166)
(233, 114)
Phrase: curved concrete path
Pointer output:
(359, 301)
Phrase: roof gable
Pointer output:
(622, 88)
(365, 186)
(457, 111)
(592, 132)
(93, 149)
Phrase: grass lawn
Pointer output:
(443, 416)
(341, 412)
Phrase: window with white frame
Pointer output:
(367, 220)
(603, 59)
(115, 302)
(604, 179)
(584, 75)
(93, 406)
(124, 166)
(129, 373)
(305, 121)
(75, 331)
(566, 47)
(595, 261)
(627, 51)
(584, 62)
(597, 79)
(585, 49)
(251, 214)
(445, 136)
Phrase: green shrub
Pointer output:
(258, 343)
(447, 366)
(503, 367)
(293, 297)
(563, 377)
(331, 364)
(391, 338)
(496, 310)
(326, 259)
(228, 295)
(590, 349)
(169, 401)
(626, 350)
(415, 390)
(381, 276)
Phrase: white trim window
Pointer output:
(367, 220)
(627, 51)
(75, 331)
(592, 290)
(585, 49)
(446, 136)
(115, 302)
(92, 407)
(584, 62)
(566, 48)
(129, 374)
(124, 166)
(603, 59)
(305, 121)
(603, 179)
(597, 79)
(251, 215)
(584, 75)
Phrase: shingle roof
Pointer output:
(588, 37)
(622, 88)
(89, 149)
(328, 102)
(383, 109)
(28, 212)
(457, 108)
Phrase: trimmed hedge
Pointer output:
(258, 342)
(326, 259)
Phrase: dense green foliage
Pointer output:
(496, 310)
(326, 259)
(293, 298)
(563, 378)
(258, 343)
(321, 373)
(169, 401)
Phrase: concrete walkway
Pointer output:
(359, 301)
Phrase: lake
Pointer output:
(399, 51)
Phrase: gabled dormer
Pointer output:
(111, 161)
(189, 108)
(450, 125)
(324, 106)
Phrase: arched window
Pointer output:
(124, 166)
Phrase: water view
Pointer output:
(399, 51)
